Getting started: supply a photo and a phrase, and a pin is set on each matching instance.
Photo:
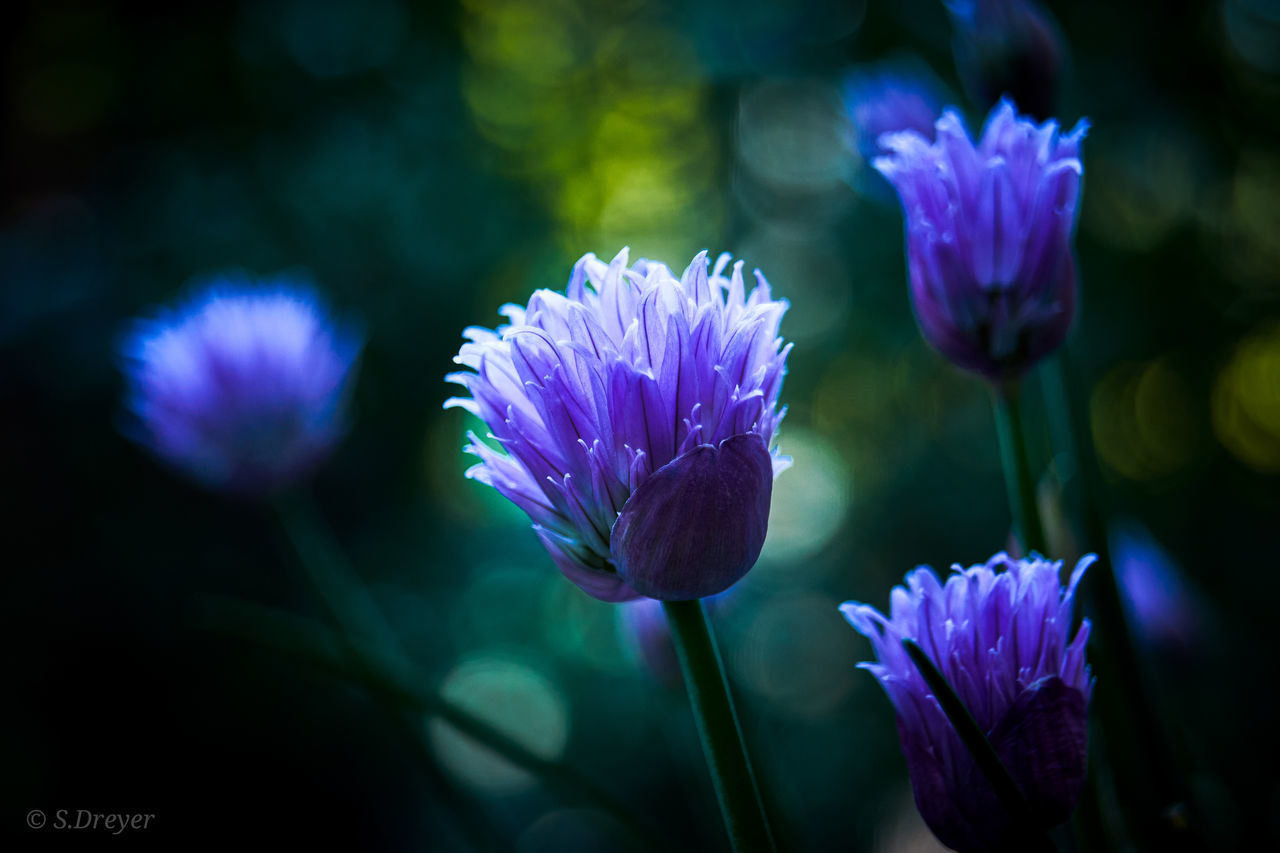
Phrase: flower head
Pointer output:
(989, 230)
(635, 415)
(890, 98)
(243, 388)
(1001, 635)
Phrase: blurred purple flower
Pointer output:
(1160, 602)
(644, 628)
(1007, 47)
(1001, 634)
(635, 414)
(989, 230)
(887, 98)
(243, 388)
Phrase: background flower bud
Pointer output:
(989, 229)
(244, 388)
(1008, 47)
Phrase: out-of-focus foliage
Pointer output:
(426, 162)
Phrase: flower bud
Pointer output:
(988, 231)
(1001, 635)
(243, 389)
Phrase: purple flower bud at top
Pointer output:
(890, 97)
(1007, 47)
(635, 416)
(989, 229)
(244, 388)
(1001, 635)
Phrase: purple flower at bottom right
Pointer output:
(1001, 634)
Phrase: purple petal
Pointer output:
(697, 524)
(1043, 741)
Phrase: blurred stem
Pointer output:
(305, 640)
(353, 610)
(319, 646)
(1144, 775)
(984, 754)
(1019, 480)
(384, 666)
(740, 803)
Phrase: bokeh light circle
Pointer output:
(516, 699)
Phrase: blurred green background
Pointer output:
(428, 162)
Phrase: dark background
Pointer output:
(426, 163)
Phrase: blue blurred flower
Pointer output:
(635, 415)
(1001, 634)
(989, 230)
(643, 627)
(243, 388)
(1007, 47)
(890, 97)
(1163, 607)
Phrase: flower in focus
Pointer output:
(244, 388)
(1007, 47)
(1001, 635)
(635, 415)
(989, 230)
(888, 98)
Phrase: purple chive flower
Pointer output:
(888, 98)
(1001, 634)
(989, 230)
(634, 416)
(1007, 47)
(243, 388)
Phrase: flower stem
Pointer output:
(1145, 777)
(307, 641)
(983, 753)
(1018, 478)
(721, 735)
(382, 663)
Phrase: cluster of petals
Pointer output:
(989, 230)
(633, 417)
(244, 387)
(1001, 634)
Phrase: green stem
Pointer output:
(1144, 775)
(306, 640)
(1019, 480)
(984, 754)
(722, 743)
(353, 609)
(384, 665)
